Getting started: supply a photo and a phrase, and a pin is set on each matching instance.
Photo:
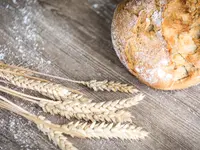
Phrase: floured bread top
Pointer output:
(159, 41)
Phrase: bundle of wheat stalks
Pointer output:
(94, 119)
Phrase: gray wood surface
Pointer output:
(71, 38)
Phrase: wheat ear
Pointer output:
(112, 116)
(56, 136)
(92, 107)
(47, 88)
(104, 130)
(109, 86)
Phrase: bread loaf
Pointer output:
(159, 41)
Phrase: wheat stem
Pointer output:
(15, 69)
(14, 105)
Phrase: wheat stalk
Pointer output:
(92, 107)
(47, 88)
(104, 85)
(112, 116)
(56, 136)
(85, 129)
(72, 104)
(77, 107)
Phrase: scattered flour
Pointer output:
(14, 1)
(2, 55)
(95, 5)
(27, 46)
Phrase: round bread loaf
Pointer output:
(159, 41)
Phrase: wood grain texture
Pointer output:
(71, 38)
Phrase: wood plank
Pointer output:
(72, 39)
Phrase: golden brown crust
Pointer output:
(159, 41)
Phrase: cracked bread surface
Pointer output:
(159, 41)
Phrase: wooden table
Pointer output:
(71, 38)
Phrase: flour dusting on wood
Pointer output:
(24, 49)
(26, 39)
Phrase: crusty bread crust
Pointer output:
(159, 41)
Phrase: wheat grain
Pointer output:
(47, 88)
(108, 86)
(92, 107)
(56, 136)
